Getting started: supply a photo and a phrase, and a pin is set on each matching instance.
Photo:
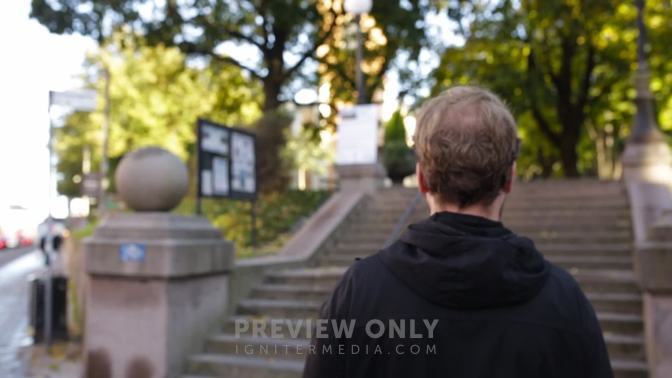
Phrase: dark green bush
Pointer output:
(397, 156)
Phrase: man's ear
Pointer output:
(422, 185)
(509, 183)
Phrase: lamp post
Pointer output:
(357, 8)
(645, 128)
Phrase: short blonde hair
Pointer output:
(466, 143)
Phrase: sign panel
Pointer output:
(226, 162)
(82, 100)
(358, 135)
(243, 177)
(132, 252)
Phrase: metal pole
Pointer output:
(253, 219)
(48, 290)
(50, 146)
(199, 209)
(359, 58)
(48, 242)
(645, 129)
(104, 162)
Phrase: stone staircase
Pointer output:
(581, 225)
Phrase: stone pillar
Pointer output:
(158, 282)
(648, 162)
(369, 177)
(655, 268)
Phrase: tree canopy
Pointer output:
(565, 67)
(155, 100)
(279, 36)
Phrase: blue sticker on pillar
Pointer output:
(132, 252)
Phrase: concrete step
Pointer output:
(625, 346)
(567, 262)
(360, 246)
(621, 323)
(515, 212)
(629, 368)
(522, 225)
(592, 262)
(568, 194)
(539, 207)
(280, 291)
(578, 236)
(340, 260)
(563, 212)
(606, 281)
(569, 182)
(280, 308)
(519, 220)
(616, 302)
(366, 229)
(288, 327)
(353, 249)
(539, 235)
(526, 201)
(265, 347)
(320, 277)
(237, 366)
(568, 190)
(582, 225)
(622, 347)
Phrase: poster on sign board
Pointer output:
(226, 162)
(358, 134)
(243, 176)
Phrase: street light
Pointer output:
(357, 7)
(645, 129)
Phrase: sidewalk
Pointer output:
(64, 361)
(14, 299)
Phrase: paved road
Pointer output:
(7, 255)
(14, 274)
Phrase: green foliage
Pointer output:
(84, 232)
(398, 158)
(155, 99)
(306, 152)
(277, 215)
(566, 68)
(394, 129)
(393, 35)
(274, 30)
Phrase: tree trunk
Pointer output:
(271, 94)
(568, 157)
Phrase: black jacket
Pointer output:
(502, 310)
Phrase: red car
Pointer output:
(22, 240)
(3, 242)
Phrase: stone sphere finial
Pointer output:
(151, 179)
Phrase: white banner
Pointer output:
(358, 135)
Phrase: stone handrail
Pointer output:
(320, 229)
(403, 220)
(648, 180)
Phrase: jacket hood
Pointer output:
(464, 261)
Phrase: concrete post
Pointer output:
(655, 268)
(647, 170)
(158, 282)
(367, 177)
